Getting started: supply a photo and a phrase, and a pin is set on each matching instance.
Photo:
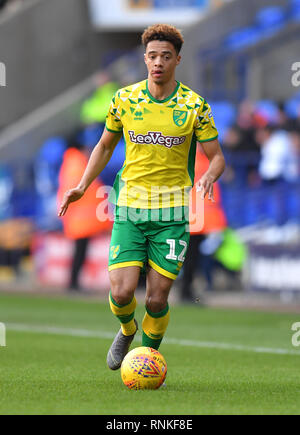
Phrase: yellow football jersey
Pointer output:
(160, 137)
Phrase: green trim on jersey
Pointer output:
(117, 187)
(166, 99)
(192, 158)
(113, 131)
(209, 140)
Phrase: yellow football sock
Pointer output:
(154, 327)
(125, 313)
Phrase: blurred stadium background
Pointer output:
(61, 62)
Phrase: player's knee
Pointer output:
(121, 293)
(156, 303)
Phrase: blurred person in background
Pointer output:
(245, 115)
(15, 231)
(15, 239)
(283, 119)
(81, 223)
(278, 170)
(213, 224)
(10, 254)
(278, 157)
(262, 158)
(241, 149)
(17, 213)
(242, 155)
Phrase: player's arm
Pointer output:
(216, 168)
(97, 162)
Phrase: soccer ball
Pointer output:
(143, 368)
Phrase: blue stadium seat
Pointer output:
(268, 109)
(223, 111)
(267, 22)
(47, 164)
(224, 114)
(52, 150)
(90, 135)
(293, 202)
(253, 200)
(109, 173)
(295, 9)
(231, 200)
(248, 206)
(6, 188)
(271, 19)
(292, 106)
(243, 38)
(24, 195)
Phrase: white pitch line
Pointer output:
(176, 341)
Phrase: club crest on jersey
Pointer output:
(179, 117)
(114, 251)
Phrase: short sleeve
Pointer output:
(204, 127)
(113, 121)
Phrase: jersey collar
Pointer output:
(166, 99)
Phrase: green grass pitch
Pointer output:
(219, 361)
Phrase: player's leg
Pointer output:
(123, 283)
(126, 258)
(167, 245)
(123, 303)
(157, 314)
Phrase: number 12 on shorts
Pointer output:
(172, 255)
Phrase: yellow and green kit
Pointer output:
(151, 191)
(157, 174)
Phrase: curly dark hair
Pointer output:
(163, 32)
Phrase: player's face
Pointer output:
(161, 60)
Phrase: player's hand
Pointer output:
(70, 196)
(206, 186)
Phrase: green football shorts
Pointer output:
(158, 237)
